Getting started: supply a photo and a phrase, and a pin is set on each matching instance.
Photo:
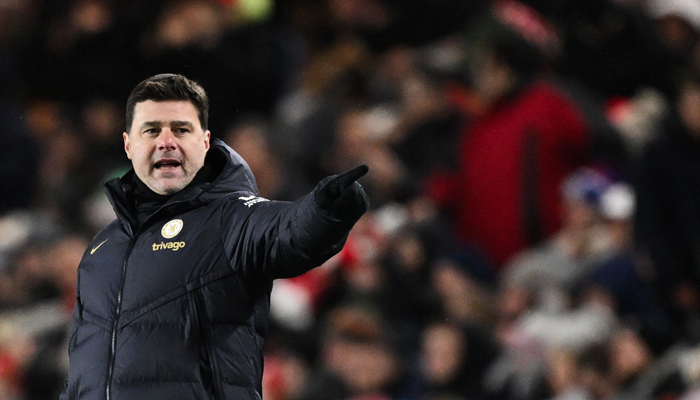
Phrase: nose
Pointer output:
(167, 140)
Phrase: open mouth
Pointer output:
(166, 164)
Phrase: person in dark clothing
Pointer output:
(668, 221)
(173, 297)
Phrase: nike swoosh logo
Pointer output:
(94, 249)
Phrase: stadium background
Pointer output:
(605, 306)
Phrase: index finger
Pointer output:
(347, 178)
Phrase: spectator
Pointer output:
(357, 360)
(452, 361)
(669, 214)
(514, 157)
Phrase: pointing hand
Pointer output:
(342, 196)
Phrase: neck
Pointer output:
(141, 189)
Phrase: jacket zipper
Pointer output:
(128, 224)
(115, 324)
(198, 309)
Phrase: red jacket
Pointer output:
(512, 161)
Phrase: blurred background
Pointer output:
(535, 184)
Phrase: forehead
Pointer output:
(164, 112)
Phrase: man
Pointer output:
(173, 297)
(513, 156)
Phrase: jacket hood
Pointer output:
(235, 174)
(229, 173)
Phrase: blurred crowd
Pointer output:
(534, 231)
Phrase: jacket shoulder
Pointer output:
(109, 229)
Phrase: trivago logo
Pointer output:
(174, 246)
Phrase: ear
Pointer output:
(127, 145)
(207, 138)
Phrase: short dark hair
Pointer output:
(521, 56)
(165, 87)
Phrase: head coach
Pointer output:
(173, 296)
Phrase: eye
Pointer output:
(151, 131)
(182, 130)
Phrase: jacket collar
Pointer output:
(232, 174)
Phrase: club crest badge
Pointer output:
(171, 228)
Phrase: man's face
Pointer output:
(492, 78)
(166, 144)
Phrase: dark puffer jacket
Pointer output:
(178, 307)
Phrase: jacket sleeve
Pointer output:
(280, 239)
